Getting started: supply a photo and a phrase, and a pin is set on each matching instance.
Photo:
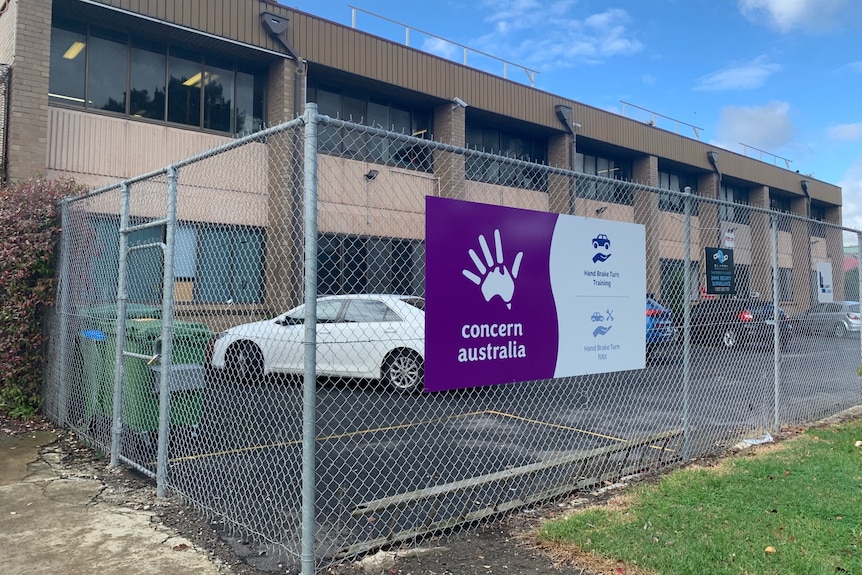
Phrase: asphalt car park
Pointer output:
(374, 441)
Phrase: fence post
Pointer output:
(122, 306)
(686, 345)
(167, 334)
(64, 312)
(776, 343)
(309, 396)
(859, 277)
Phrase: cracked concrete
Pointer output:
(56, 521)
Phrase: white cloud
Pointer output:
(851, 185)
(547, 36)
(788, 15)
(766, 127)
(441, 48)
(744, 76)
(846, 132)
(511, 15)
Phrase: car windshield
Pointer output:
(854, 307)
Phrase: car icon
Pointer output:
(601, 240)
(597, 316)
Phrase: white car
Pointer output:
(365, 336)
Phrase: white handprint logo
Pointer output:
(493, 275)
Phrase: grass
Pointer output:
(790, 508)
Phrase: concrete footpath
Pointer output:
(61, 518)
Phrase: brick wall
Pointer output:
(28, 104)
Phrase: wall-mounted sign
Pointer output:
(518, 295)
(729, 237)
(719, 271)
(824, 282)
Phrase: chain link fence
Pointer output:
(184, 345)
(5, 81)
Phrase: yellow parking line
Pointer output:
(325, 438)
(557, 425)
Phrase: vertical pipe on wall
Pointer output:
(309, 396)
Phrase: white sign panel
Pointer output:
(598, 278)
(824, 282)
(522, 295)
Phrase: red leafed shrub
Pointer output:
(29, 234)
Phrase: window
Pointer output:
(68, 66)
(603, 191)
(353, 264)
(499, 142)
(672, 283)
(106, 71)
(184, 88)
(214, 264)
(113, 72)
(147, 81)
(736, 195)
(231, 264)
(378, 112)
(218, 84)
(369, 310)
(785, 284)
(782, 205)
(676, 182)
(818, 229)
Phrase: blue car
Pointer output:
(601, 240)
(660, 329)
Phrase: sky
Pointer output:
(779, 80)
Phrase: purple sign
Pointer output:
(489, 304)
(518, 295)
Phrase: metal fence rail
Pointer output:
(181, 345)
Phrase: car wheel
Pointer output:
(840, 330)
(596, 245)
(404, 371)
(728, 338)
(244, 362)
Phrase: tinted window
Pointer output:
(147, 82)
(854, 307)
(218, 84)
(101, 69)
(68, 63)
(106, 72)
(184, 88)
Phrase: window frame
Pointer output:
(159, 111)
(673, 203)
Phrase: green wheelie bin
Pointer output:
(141, 377)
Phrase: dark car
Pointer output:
(732, 323)
(660, 330)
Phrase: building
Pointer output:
(100, 90)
